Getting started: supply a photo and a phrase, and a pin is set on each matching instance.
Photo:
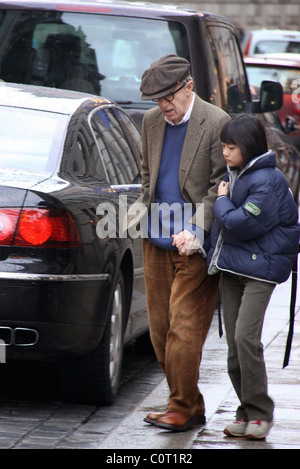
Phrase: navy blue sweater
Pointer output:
(171, 212)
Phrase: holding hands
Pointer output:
(186, 243)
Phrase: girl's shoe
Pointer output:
(237, 428)
(257, 429)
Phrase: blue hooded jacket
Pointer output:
(255, 232)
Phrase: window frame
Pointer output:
(128, 145)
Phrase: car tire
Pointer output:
(95, 378)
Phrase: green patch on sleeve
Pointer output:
(252, 208)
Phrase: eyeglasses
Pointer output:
(170, 96)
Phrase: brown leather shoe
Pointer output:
(153, 416)
(178, 421)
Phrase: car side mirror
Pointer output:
(271, 97)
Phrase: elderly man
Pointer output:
(182, 166)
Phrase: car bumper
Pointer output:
(52, 278)
(44, 315)
(48, 341)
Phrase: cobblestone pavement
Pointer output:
(32, 417)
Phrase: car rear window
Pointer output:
(30, 139)
(275, 45)
(100, 54)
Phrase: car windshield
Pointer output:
(273, 46)
(100, 54)
(285, 76)
(30, 139)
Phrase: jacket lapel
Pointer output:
(157, 139)
(194, 134)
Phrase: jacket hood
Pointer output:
(266, 160)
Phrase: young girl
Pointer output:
(255, 240)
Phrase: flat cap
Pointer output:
(163, 75)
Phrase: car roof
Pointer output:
(119, 7)
(276, 34)
(45, 99)
(277, 60)
(93, 6)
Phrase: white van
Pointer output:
(266, 41)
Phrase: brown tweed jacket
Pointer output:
(202, 164)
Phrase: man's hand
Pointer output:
(186, 243)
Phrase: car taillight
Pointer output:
(8, 221)
(38, 227)
(83, 8)
(34, 228)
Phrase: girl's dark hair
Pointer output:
(248, 133)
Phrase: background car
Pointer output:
(67, 293)
(266, 41)
(104, 48)
(287, 72)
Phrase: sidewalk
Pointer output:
(220, 399)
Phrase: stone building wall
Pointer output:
(250, 15)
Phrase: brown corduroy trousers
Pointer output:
(181, 300)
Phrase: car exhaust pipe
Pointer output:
(19, 336)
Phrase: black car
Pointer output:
(71, 290)
(103, 47)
